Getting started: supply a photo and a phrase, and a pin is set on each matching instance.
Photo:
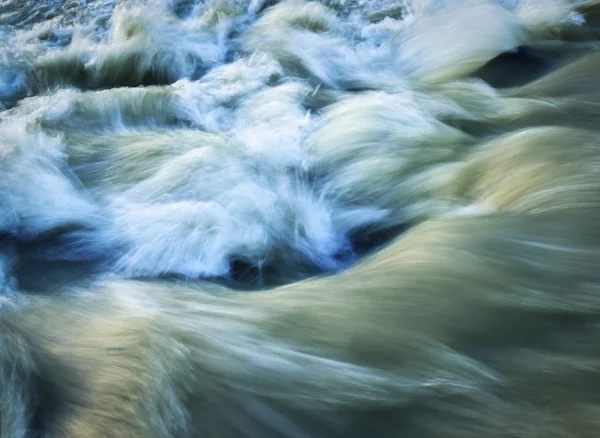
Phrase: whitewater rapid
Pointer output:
(253, 141)
(303, 219)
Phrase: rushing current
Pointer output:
(304, 219)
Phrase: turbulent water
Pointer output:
(260, 218)
(246, 141)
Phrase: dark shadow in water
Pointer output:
(45, 263)
(366, 241)
(519, 67)
(73, 72)
(287, 269)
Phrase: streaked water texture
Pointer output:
(336, 218)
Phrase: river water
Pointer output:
(243, 140)
(409, 154)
